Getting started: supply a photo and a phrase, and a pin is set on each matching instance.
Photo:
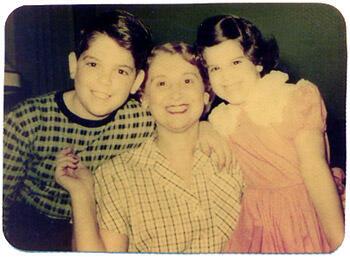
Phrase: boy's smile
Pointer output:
(104, 76)
(101, 95)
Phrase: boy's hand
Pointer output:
(72, 175)
(212, 143)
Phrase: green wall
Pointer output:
(311, 37)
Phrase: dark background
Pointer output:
(311, 38)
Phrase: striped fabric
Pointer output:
(40, 127)
(140, 196)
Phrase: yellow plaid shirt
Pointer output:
(140, 196)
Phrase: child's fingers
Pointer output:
(65, 152)
(67, 160)
(227, 152)
(66, 163)
(70, 172)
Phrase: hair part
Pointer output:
(123, 27)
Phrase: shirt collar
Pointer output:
(150, 155)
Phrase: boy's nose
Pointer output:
(106, 77)
(226, 76)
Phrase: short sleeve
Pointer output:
(111, 197)
(305, 109)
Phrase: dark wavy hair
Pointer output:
(187, 52)
(126, 29)
(219, 28)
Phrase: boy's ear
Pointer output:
(73, 62)
(138, 81)
(259, 68)
(206, 98)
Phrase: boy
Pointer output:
(95, 119)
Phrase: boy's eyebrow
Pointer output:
(238, 57)
(89, 57)
(119, 65)
(128, 67)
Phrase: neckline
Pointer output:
(77, 119)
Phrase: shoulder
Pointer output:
(302, 98)
(30, 111)
(304, 109)
(124, 165)
(34, 103)
(133, 109)
(305, 94)
(132, 115)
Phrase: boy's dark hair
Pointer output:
(187, 52)
(217, 29)
(126, 29)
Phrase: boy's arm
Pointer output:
(16, 155)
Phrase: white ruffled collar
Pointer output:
(264, 106)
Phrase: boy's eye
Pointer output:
(91, 64)
(188, 81)
(123, 72)
(236, 62)
(161, 83)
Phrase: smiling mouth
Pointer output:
(100, 95)
(177, 109)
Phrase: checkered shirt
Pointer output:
(138, 195)
(40, 127)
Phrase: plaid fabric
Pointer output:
(40, 127)
(140, 196)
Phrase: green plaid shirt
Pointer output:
(40, 127)
(139, 195)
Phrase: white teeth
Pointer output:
(100, 95)
(177, 108)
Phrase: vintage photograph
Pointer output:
(175, 128)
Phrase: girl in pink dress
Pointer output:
(278, 133)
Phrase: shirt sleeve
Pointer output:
(16, 149)
(111, 192)
(305, 109)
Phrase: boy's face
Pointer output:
(231, 74)
(174, 92)
(104, 76)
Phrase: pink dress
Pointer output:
(277, 214)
